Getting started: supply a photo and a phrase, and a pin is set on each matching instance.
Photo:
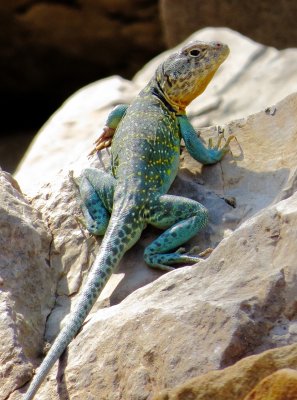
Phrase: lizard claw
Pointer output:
(225, 148)
(217, 146)
(103, 141)
(180, 250)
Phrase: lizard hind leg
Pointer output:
(96, 190)
(182, 218)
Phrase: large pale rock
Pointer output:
(27, 284)
(191, 320)
(241, 87)
(274, 373)
(262, 168)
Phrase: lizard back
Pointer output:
(146, 146)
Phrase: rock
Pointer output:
(193, 320)
(241, 87)
(254, 19)
(282, 385)
(27, 285)
(233, 383)
(262, 169)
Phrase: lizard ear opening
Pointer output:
(168, 77)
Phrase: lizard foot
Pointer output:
(195, 251)
(180, 250)
(226, 148)
(103, 141)
(207, 252)
(164, 261)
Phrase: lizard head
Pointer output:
(186, 74)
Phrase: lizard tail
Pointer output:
(117, 240)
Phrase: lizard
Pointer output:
(145, 142)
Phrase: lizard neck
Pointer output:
(157, 91)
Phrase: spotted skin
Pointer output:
(145, 151)
(96, 199)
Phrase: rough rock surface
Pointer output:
(281, 385)
(241, 87)
(27, 285)
(274, 367)
(239, 301)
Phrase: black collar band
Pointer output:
(158, 94)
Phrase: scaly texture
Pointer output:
(145, 150)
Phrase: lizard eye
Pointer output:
(195, 53)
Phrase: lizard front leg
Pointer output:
(196, 148)
(182, 218)
(113, 119)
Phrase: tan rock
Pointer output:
(262, 168)
(27, 285)
(282, 385)
(193, 320)
(235, 382)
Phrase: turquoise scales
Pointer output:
(145, 158)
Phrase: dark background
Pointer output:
(51, 48)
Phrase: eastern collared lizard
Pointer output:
(145, 151)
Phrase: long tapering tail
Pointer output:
(116, 242)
